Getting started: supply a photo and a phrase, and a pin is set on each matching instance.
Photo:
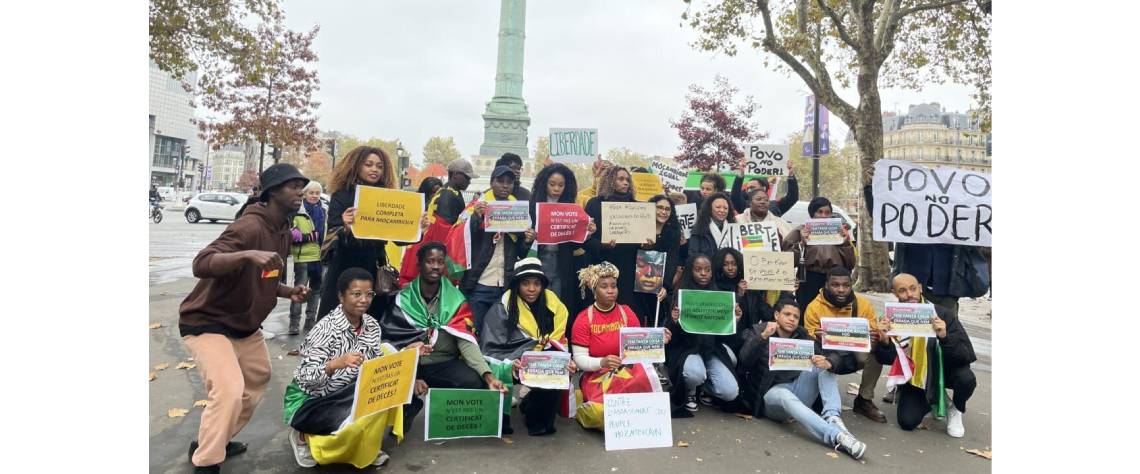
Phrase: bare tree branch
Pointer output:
(928, 6)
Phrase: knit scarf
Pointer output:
(722, 236)
(316, 212)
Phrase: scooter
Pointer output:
(156, 212)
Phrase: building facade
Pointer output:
(932, 137)
(226, 167)
(175, 149)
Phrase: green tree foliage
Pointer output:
(626, 157)
(838, 171)
(440, 150)
(541, 152)
(188, 34)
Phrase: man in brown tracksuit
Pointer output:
(240, 278)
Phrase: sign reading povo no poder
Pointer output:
(573, 145)
(767, 160)
(916, 204)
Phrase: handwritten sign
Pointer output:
(707, 312)
(759, 235)
(790, 354)
(767, 160)
(646, 185)
(766, 270)
(846, 334)
(463, 413)
(910, 319)
(387, 214)
(650, 271)
(687, 217)
(642, 345)
(560, 223)
(385, 382)
(824, 231)
(672, 177)
(629, 222)
(916, 204)
(507, 216)
(573, 145)
(637, 420)
(546, 369)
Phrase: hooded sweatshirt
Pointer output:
(236, 303)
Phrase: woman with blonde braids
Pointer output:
(596, 348)
(615, 185)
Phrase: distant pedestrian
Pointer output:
(308, 233)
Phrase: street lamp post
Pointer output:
(402, 162)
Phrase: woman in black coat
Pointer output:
(614, 185)
(668, 240)
(556, 184)
(711, 231)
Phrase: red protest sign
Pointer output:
(560, 223)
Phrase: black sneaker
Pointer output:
(216, 468)
(691, 403)
(233, 448)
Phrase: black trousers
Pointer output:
(539, 408)
(913, 405)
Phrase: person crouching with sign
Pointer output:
(319, 401)
(530, 317)
(596, 347)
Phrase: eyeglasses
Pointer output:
(360, 294)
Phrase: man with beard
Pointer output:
(838, 300)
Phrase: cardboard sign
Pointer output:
(767, 160)
(573, 145)
(916, 204)
(846, 334)
(385, 382)
(790, 354)
(546, 369)
(687, 217)
(642, 345)
(560, 223)
(637, 420)
(650, 271)
(825, 231)
(672, 177)
(507, 216)
(463, 413)
(910, 319)
(629, 222)
(707, 312)
(387, 214)
(646, 185)
(766, 270)
(759, 236)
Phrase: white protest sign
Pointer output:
(767, 160)
(916, 204)
(759, 235)
(672, 177)
(637, 420)
(687, 216)
(573, 145)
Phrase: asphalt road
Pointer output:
(717, 442)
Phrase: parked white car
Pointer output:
(214, 206)
(797, 215)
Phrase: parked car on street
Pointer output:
(214, 206)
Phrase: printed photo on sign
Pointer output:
(759, 236)
(650, 271)
(687, 216)
(637, 420)
(824, 231)
(573, 145)
(846, 334)
(672, 177)
(559, 223)
(767, 160)
(707, 312)
(646, 185)
(642, 345)
(546, 369)
(765, 270)
(463, 413)
(385, 382)
(916, 204)
(910, 319)
(790, 354)
(507, 216)
(628, 222)
(387, 214)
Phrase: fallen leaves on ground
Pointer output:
(153, 375)
(852, 388)
(832, 455)
(980, 453)
(508, 441)
(185, 365)
(162, 366)
(201, 403)
(682, 444)
(744, 416)
(700, 460)
(294, 352)
(177, 412)
(155, 325)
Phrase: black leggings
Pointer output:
(913, 405)
(539, 408)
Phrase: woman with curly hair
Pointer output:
(615, 185)
(711, 231)
(560, 262)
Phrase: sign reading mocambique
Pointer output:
(387, 214)
(916, 204)
(672, 177)
(573, 145)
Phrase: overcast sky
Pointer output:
(416, 69)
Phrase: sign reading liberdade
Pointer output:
(916, 204)
(687, 216)
(573, 145)
(463, 413)
(387, 214)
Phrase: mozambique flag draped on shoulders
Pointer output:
(458, 240)
(526, 336)
(409, 321)
(437, 231)
(918, 362)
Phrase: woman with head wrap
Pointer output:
(596, 346)
(819, 259)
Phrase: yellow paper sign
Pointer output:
(385, 382)
(646, 185)
(387, 214)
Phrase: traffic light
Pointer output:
(201, 169)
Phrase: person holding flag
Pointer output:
(923, 367)
(443, 210)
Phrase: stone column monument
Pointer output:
(506, 119)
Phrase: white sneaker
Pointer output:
(691, 403)
(837, 422)
(301, 450)
(850, 445)
(381, 459)
(954, 425)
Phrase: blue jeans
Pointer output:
(794, 399)
(721, 383)
(481, 299)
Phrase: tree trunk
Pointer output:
(873, 266)
(261, 158)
